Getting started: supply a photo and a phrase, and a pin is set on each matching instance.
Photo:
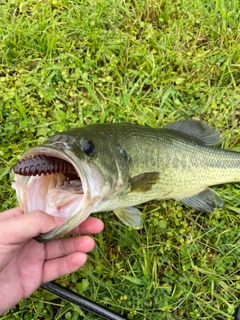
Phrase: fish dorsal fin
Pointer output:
(197, 129)
(206, 201)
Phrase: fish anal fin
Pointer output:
(200, 130)
(206, 201)
(144, 182)
(130, 216)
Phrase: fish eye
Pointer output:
(87, 146)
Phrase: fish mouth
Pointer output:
(58, 182)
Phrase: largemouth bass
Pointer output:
(106, 167)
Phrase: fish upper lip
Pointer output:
(63, 143)
(49, 150)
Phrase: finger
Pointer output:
(26, 226)
(10, 213)
(63, 247)
(56, 268)
(90, 226)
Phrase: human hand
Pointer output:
(25, 263)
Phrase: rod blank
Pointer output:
(81, 301)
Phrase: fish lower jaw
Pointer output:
(52, 193)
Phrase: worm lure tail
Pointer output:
(40, 164)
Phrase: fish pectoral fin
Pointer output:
(197, 129)
(206, 201)
(129, 216)
(144, 181)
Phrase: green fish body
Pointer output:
(121, 165)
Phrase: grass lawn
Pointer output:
(69, 63)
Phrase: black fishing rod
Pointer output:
(81, 301)
(237, 314)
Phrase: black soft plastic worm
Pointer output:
(40, 164)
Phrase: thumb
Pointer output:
(27, 226)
